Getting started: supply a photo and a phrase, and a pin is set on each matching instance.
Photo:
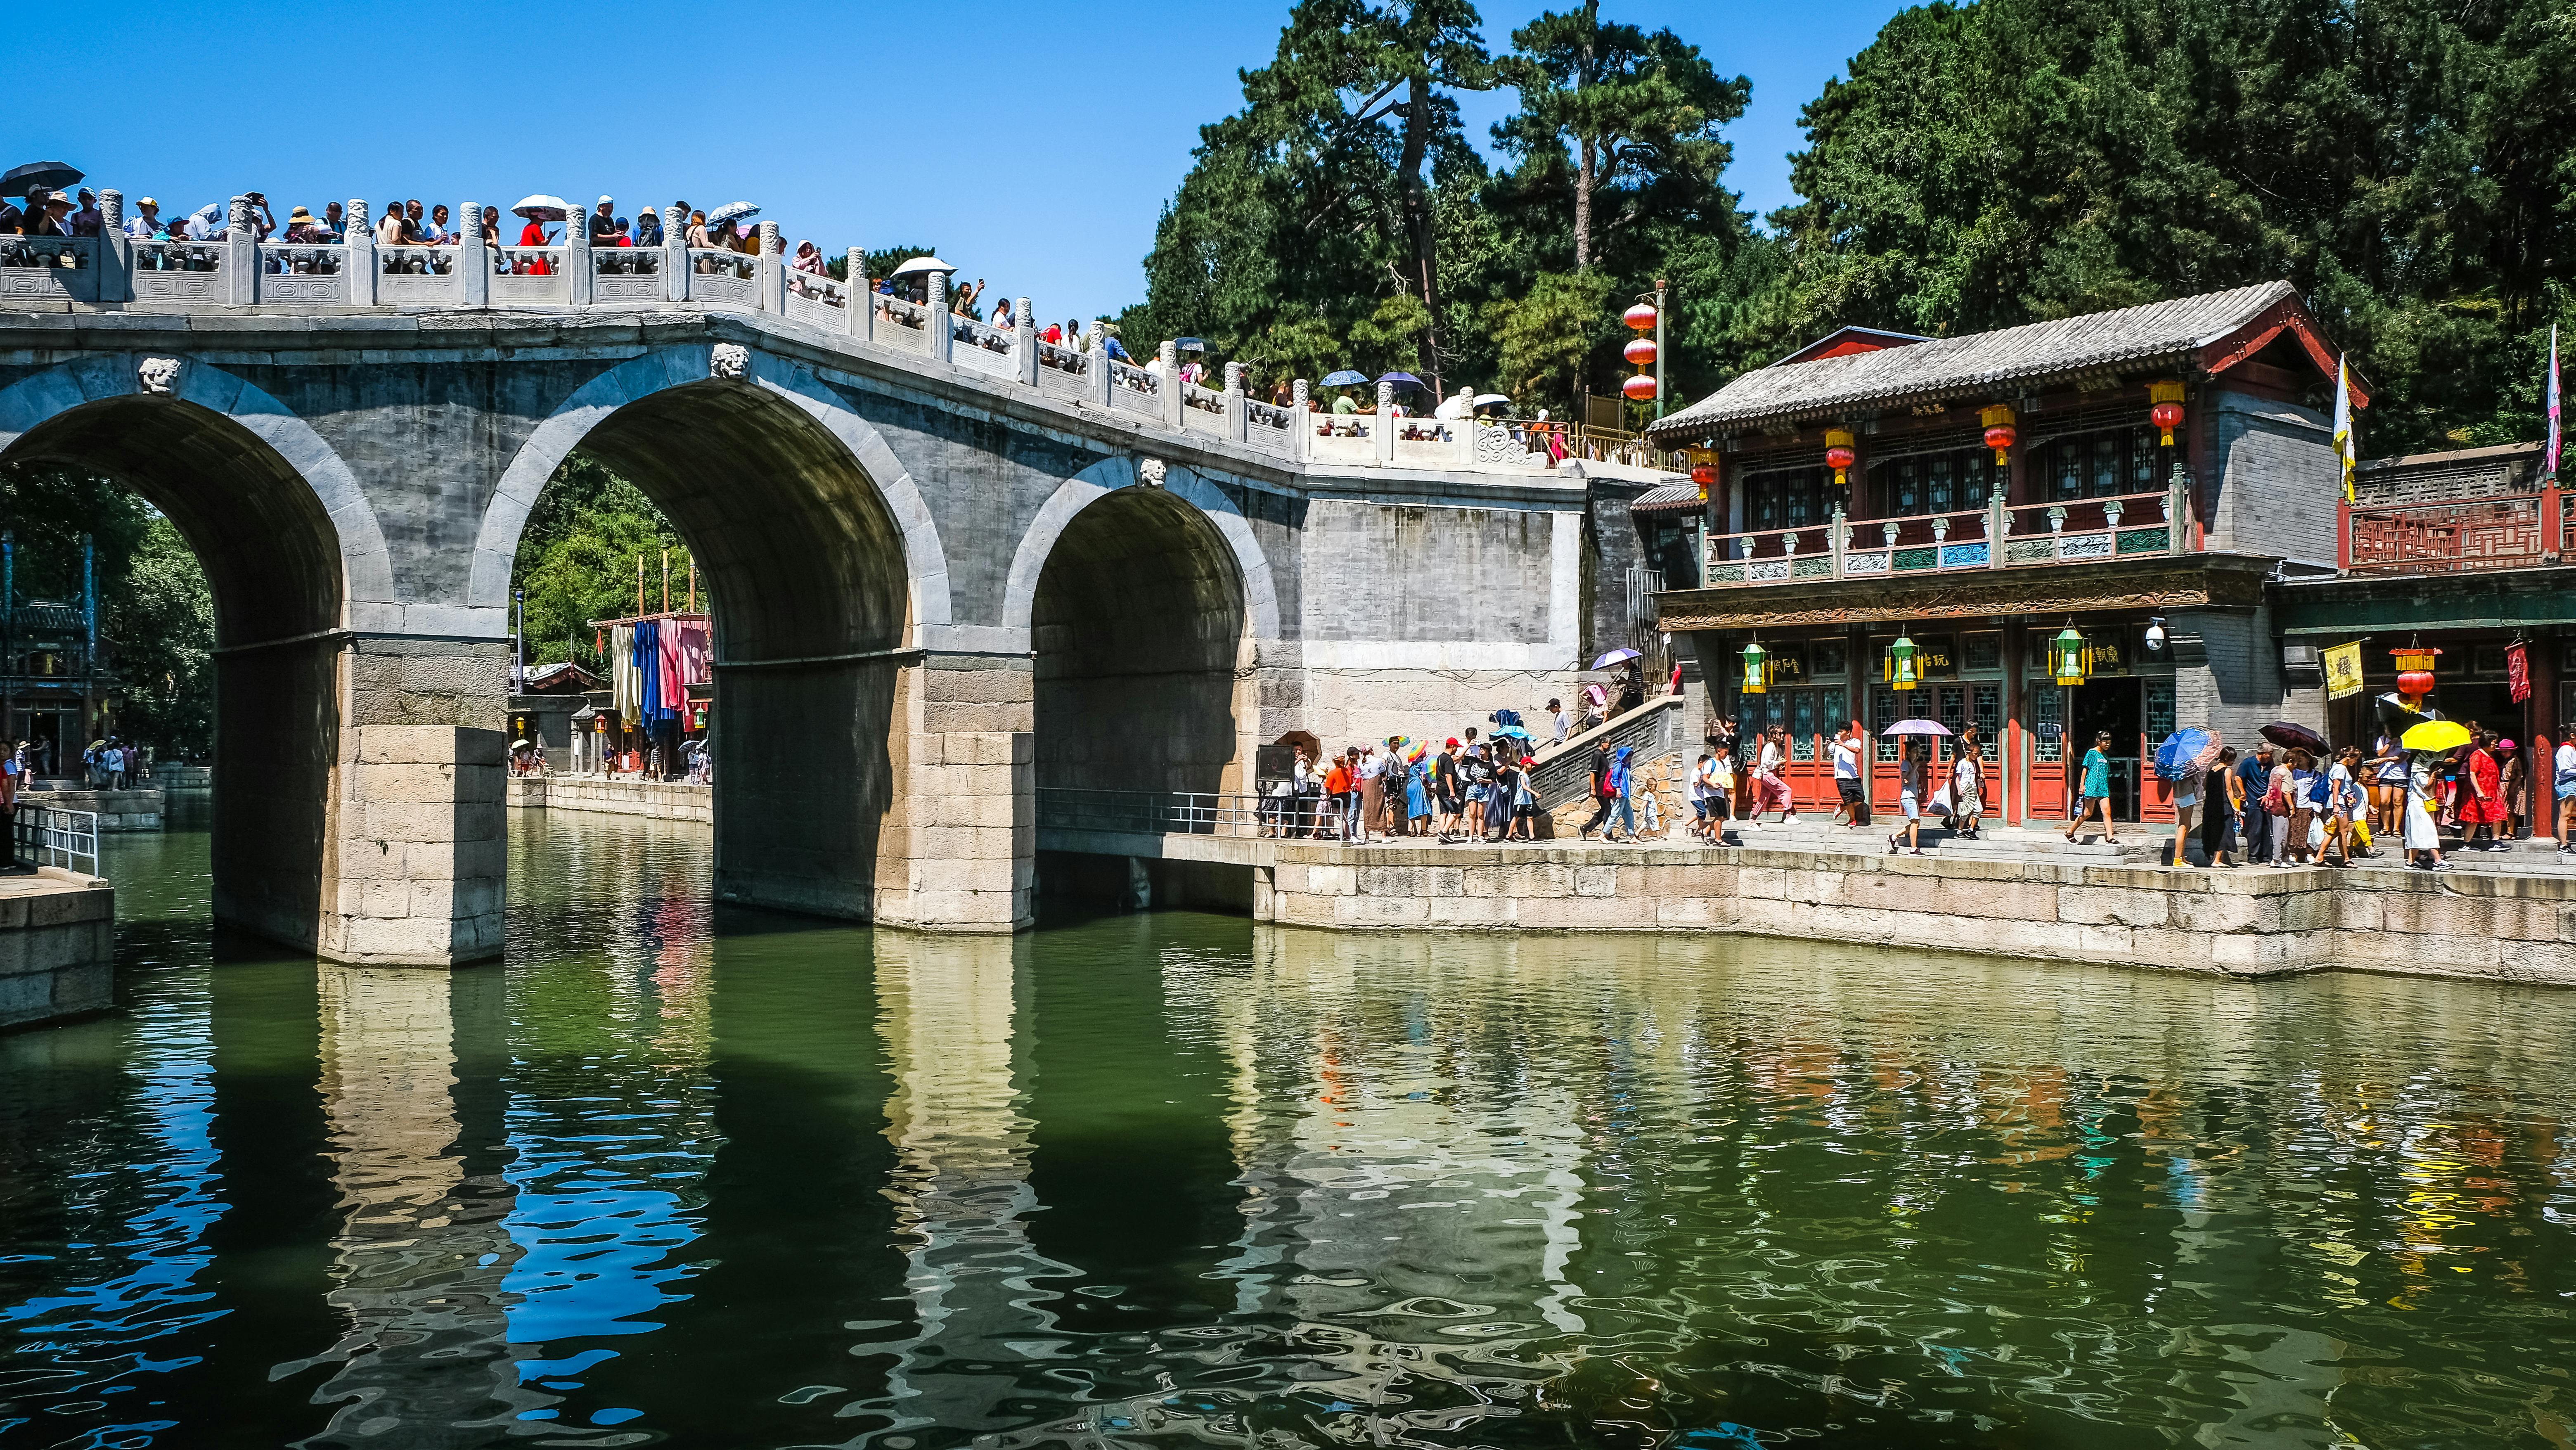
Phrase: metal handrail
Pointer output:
(1151, 812)
(54, 836)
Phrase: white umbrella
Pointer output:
(733, 211)
(1492, 400)
(921, 264)
(543, 208)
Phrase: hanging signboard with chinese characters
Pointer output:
(2343, 670)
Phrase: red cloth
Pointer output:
(666, 649)
(696, 654)
(2488, 811)
(534, 235)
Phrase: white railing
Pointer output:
(302, 259)
(720, 262)
(178, 256)
(528, 261)
(972, 333)
(903, 314)
(52, 836)
(819, 287)
(1067, 360)
(416, 261)
(65, 253)
(626, 261)
(1125, 375)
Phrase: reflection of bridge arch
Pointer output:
(294, 558)
(1144, 600)
(827, 567)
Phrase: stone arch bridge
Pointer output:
(954, 563)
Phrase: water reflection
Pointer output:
(703, 1177)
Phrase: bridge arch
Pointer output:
(826, 571)
(1143, 599)
(293, 556)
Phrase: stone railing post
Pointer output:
(858, 298)
(1998, 521)
(1238, 416)
(1024, 340)
(1382, 427)
(115, 248)
(1838, 538)
(1098, 368)
(241, 255)
(1174, 395)
(360, 240)
(675, 253)
(773, 270)
(2179, 519)
(577, 268)
(473, 258)
(943, 335)
(1300, 394)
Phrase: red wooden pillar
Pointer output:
(2551, 529)
(2343, 532)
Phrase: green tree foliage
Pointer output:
(2405, 164)
(161, 624)
(576, 560)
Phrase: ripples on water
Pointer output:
(712, 1178)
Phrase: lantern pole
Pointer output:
(1660, 287)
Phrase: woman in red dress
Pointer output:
(2482, 802)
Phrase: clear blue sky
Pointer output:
(1036, 150)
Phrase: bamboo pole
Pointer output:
(639, 583)
(666, 581)
(693, 583)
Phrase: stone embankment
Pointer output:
(2242, 923)
(57, 936)
(661, 800)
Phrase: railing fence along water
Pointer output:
(2073, 531)
(1149, 812)
(52, 836)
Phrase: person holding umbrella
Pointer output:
(1912, 771)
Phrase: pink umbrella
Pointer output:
(1916, 727)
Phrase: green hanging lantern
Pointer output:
(1757, 669)
(1901, 671)
(2067, 657)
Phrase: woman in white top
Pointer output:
(2421, 834)
(1968, 784)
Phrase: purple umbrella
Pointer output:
(1916, 727)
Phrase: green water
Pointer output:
(685, 1175)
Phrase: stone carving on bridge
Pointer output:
(159, 375)
(728, 360)
(1149, 472)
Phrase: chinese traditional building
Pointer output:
(2044, 531)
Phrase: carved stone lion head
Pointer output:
(158, 374)
(728, 360)
(1149, 472)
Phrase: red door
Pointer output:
(2043, 751)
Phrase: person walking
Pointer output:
(1373, 790)
(2562, 784)
(2188, 789)
(1853, 809)
(2222, 801)
(2347, 811)
(1774, 755)
(2387, 771)
(1912, 771)
(1417, 797)
(1446, 789)
(1600, 789)
(2253, 785)
(1558, 720)
(1618, 785)
(2515, 791)
(2094, 794)
(2423, 835)
(2481, 806)
(1968, 785)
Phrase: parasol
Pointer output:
(1190, 344)
(540, 207)
(1614, 657)
(38, 175)
(1345, 379)
(733, 211)
(2184, 749)
(923, 265)
(1406, 378)
(1492, 400)
(2436, 735)
(1916, 727)
(2289, 736)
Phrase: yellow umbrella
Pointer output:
(2436, 735)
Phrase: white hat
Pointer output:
(607, 200)
(147, 201)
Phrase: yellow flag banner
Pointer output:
(2343, 670)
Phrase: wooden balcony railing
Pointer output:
(2453, 536)
(2075, 532)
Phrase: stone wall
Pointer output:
(57, 934)
(118, 810)
(661, 800)
(2277, 480)
(2244, 923)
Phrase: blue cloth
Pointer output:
(2097, 773)
(1417, 797)
(1619, 773)
(648, 660)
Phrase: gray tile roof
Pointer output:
(1665, 499)
(1983, 362)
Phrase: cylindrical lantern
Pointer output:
(1640, 387)
(2415, 670)
(1838, 453)
(2167, 412)
(1640, 351)
(1704, 470)
(1999, 430)
(1900, 664)
(1757, 669)
(2067, 657)
(1640, 318)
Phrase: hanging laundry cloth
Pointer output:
(625, 685)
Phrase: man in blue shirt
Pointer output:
(2256, 772)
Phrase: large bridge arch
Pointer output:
(827, 572)
(295, 559)
(1144, 594)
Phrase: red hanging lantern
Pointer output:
(2167, 412)
(2415, 683)
(1640, 387)
(1640, 318)
(1838, 454)
(1640, 351)
(1999, 430)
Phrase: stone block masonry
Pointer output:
(2245, 924)
(661, 800)
(57, 935)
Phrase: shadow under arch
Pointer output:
(1142, 625)
(806, 564)
(278, 564)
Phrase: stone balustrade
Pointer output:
(239, 271)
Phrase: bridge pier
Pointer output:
(962, 831)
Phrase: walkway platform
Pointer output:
(661, 800)
(57, 937)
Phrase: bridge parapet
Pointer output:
(234, 271)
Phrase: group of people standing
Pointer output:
(1467, 790)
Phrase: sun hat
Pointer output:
(299, 215)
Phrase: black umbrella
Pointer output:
(48, 175)
(2293, 737)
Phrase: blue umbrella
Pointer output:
(1190, 344)
(1345, 379)
(2180, 749)
(1403, 378)
(1614, 657)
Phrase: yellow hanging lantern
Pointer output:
(1757, 669)
(2068, 657)
(1838, 453)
